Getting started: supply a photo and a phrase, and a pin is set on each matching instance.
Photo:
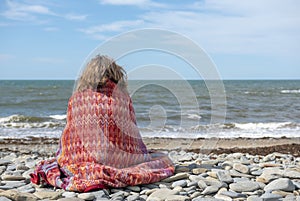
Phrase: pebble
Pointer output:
(235, 173)
(223, 197)
(133, 197)
(244, 186)
(241, 168)
(161, 194)
(12, 178)
(70, 199)
(4, 199)
(283, 184)
(198, 177)
(224, 176)
(292, 174)
(69, 194)
(177, 198)
(22, 167)
(12, 184)
(47, 195)
(199, 170)
(211, 189)
(16, 195)
(181, 183)
(26, 189)
(134, 188)
(176, 177)
(86, 196)
(4, 162)
(100, 194)
(233, 194)
(270, 197)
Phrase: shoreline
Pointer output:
(255, 146)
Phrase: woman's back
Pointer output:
(101, 145)
(101, 128)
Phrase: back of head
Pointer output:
(98, 71)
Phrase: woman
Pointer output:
(101, 146)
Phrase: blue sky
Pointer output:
(50, 39)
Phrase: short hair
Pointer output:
(97, 71)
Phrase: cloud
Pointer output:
(99, 32)
(267, 27)
(24, 12)
(230, 26)
(75, 17)
(51, 29)
(140, 3)
(5, 57)
(30, 12)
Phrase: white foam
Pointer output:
(59, 117)
(194, 116)
(21, 121)
(9, 118)
(255, 126)
(30, 125)
(286, 91)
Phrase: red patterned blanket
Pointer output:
(101, 146)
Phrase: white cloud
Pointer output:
(268, 27)
(24, 12)
(232, 26)
(75, 17)
(29, 12)
(5, 57)
(140, 3)
(51, 29)
(98, 32)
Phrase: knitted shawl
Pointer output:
(101, 146)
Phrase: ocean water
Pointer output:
(254, 108)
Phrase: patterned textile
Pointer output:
(101, 146)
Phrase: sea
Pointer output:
(248, 108)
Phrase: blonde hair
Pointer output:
(97, 71)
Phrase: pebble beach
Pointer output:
(223, 173)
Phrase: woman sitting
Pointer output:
(101, 146)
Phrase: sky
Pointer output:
(250, 39)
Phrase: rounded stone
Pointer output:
(244, 186)
(283, 184)
(181, 183)
(12, 178)
(162, 194)
(86, 196)
(210, 189)
(69, 194)
(241, 168)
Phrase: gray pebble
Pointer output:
(244, 186)
(181, 183)
(134, 188)
(68, 194)
(86, 196)
(283, 184)
(224, 176)
(211, 189)
(133, 197)
(5, 162)
(233, 194)
(4, 199)
(270, 197)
